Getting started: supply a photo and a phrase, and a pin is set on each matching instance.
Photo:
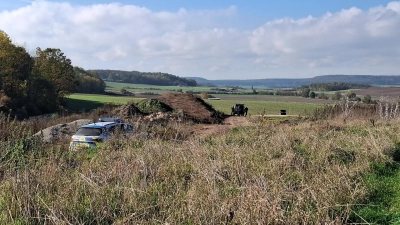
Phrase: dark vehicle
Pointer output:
(239, 109)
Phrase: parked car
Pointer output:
(92, 134)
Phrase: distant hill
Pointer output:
(165, 79)
(199, 80)
(374, 80)
(136, 77)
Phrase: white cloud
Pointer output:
(332, 40)
(204, 43)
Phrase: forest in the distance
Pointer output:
(136, 77)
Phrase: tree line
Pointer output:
(335, 86)
(89, 82)
(136, 77)
(34, 85)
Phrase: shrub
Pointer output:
(153, 105)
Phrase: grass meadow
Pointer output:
(297, 172)
(265, 107)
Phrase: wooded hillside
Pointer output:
(137, 77)
(335, 86)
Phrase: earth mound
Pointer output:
(192, 107)
(153, 106)
(127, 111)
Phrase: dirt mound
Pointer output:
(153, 106)
(127, 111)
(192, 107)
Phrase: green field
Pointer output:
(141, 88)
(264, 107)
(86, 102)
(257, 104)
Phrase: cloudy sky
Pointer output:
(224, 39)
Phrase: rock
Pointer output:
(58, 131)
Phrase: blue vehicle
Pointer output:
(90, 135)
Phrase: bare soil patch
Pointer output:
(192, 106)
(379, 91)
(228, 123)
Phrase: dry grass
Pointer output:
(307, 172)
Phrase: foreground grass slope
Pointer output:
(292, 172)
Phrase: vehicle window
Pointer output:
(88, 131)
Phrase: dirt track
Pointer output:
(229, 123)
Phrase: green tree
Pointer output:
(33, 85)
(312, 94)
(205, 95)
(350, 95)
(15, 70)
(337, 96)
(123, 91)
(305, 92)
(89, 82)
(53, 66)
(367, 99)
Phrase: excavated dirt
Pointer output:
(192, 107)
(228, 123)
(127, 111)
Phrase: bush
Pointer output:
(153, 105)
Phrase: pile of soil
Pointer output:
(171, 106)
(153, 106)
(127, 111)
(192, 107)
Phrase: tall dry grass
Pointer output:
(308, 172)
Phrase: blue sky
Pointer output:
(225, 39)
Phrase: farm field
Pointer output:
(116, 87)
(245, 93)
(377, 92)
(265, 107)
(143, 88)
(87, 102)
(273, 98)
(256, 105)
